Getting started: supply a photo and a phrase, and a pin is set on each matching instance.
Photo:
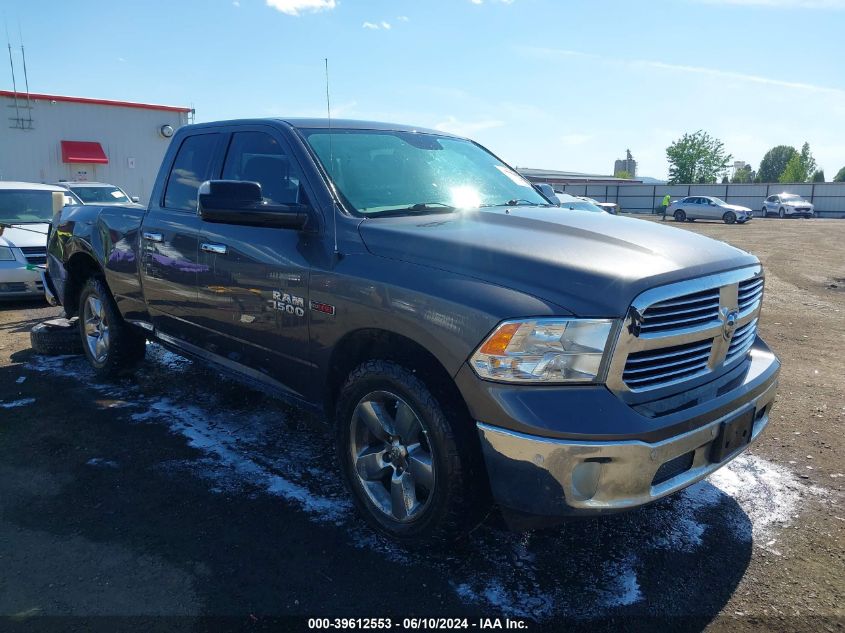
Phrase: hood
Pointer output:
(736, 207)
(796, 203)
(21, 238)
(590, 264)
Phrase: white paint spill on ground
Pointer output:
(262, 450)
(20, 380)
(102, 462)
(17, 403)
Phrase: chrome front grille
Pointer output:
(680, 312)
(750, 292)
(684, 331)
(742, 341)
(654, 367)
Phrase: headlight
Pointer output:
(555, 350)
(6, 254)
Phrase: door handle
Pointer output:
(153, 237)
(218, 249)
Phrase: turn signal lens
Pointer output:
(555, 350)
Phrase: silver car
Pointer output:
(708, 208)
(788, 205)
(101, 193)
(26, 209)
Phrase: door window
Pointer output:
(258, 157)
(193, 166)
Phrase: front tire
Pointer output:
(110, 344)
(680, 216)
(407, 455)
(729, 217)
(781, 213)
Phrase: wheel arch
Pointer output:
(80, 267)
(366, 344)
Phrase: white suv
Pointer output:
(788, 205)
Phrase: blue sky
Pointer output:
(543, 83)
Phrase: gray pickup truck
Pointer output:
(467, 341)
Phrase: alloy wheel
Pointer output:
(96, 327)
(392, 456)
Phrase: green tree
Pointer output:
(774, 162)
(800, 167)
(622, 174)
(744, 174)
(818, 175)
(696, 158)
(840, 176)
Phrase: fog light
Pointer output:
(585, 480)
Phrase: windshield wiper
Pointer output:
(419, 207)
(517, 202)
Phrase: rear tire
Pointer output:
(112, 346)
(680, 216)
(729, 217)
(764, 213)
(407, 455)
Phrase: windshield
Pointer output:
(406, 172)
(789, 196)
(580, 205)
(20, 207)
(106, 193)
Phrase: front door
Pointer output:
(254, 288)
(170, 240)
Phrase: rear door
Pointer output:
(170, 238)
(254, 284)
(691, 207)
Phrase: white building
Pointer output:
(48, 138)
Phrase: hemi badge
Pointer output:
(325, 308)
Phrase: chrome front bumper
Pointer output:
(554, 477)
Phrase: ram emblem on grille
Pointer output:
(729, 318)
(636, 324)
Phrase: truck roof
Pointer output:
(339, 124)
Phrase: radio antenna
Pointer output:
(25, 78)
(14, 83)
(331, 157)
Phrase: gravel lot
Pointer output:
(179, 494)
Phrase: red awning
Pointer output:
(83, 152)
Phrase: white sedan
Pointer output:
(788, 205)
(708, 208)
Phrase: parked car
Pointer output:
(26, 209)
(460, 336)
(708, 208)
(574, 203)
(610, 207)
(98, 192)
(788, 205)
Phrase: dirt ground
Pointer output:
(178, 495)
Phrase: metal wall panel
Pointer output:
(129, 137)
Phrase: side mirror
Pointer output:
(240, 202)
(135, 199)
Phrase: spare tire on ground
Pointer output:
(56, 337)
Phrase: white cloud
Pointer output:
(295, 7)
(385, 25)
(559, 53)
(376, 26)
(236, 4)
(476, 1)
(370, 25)
(403, 18)
(783, 4)
(466, 128)
(726, 74)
